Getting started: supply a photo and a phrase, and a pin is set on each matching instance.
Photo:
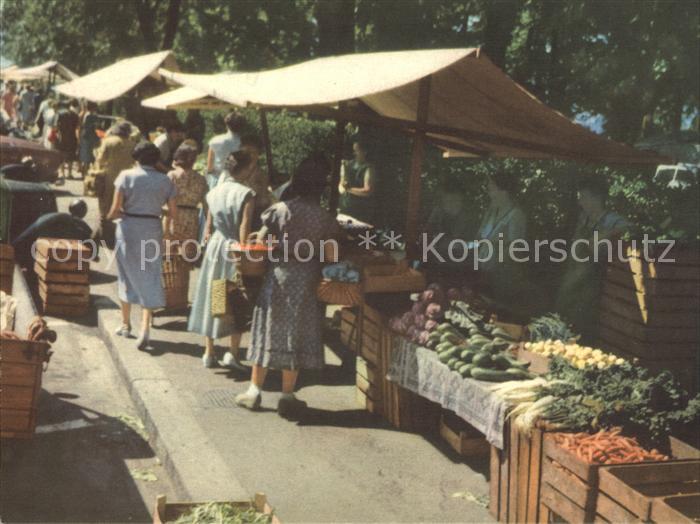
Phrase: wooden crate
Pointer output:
(368, 386)
(165, 511)
(339, 293)
(349, 328)
(383, 279)
(404, 409)
(626, 492)
(21, 367)
(63, 249)
(61, 277)
(515, 476)
(463, 438)
(678, 509)
(7, 267)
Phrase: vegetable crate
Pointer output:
(339, 293)
(677, 509)
(166, 512)
(349, 328)
(392, 279)
(176, 282)
(403, 409)
(21, 366)
(628, 493)
(515, 474)
(7, 267)
(651, 311)
(463, 438)
(368, 386)
(63, 271)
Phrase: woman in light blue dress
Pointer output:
(231, 206)
(139, 196)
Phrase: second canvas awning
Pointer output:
(474, 109)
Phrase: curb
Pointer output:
(197, 471)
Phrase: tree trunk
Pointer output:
(501, 16)
(171, 22)
(336, 26)
(146, 15)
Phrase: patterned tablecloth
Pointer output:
(419, 370)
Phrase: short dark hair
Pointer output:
(91, 106)
(595, 184)
(243, 160)
(146, 153)
(252, 140)
(122, 129)
(185, 155)
(310, 178)
(235, 122)
(504, 182)
(174, 126)
(74, 103)
(78, 208)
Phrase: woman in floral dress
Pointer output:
(286, 330)
(191, 193)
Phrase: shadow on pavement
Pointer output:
(98, 277)
(73, 469)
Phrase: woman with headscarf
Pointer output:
(139, 197)
(191, 193)
(287, 319)
(231, 205)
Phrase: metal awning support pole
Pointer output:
(339, 142)
(266, 140)
(417, 156)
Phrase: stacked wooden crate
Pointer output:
(650, 311)
(7, 267)
(515, 473)
(465, 439)
(63, 270)
(368, 386)
(349, 328)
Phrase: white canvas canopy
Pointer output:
(117, 79)
(473, 108)
(40, 72)
(184, 98)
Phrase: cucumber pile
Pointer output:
(474, 348)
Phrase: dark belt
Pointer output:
(183, 206)
(134, 215)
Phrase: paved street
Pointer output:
(338, 464)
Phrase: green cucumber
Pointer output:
(500, 332)
(518, 373)
(451, 362)
(443, 346)
(501, 362)
(467, 355)
(466, 370)
(453, 352)
(451, 337)
(500, 344)
(482, 360)
(445, 327)
(491, 375)
(515, 363)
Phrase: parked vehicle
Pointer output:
(47, 161)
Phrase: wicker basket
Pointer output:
(250, 262)
(339, 293)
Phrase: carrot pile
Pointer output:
(606, 447)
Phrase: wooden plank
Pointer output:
(65, 289)
(634, 281)
(612, 511)
(62, 249)
(16, 422)
(523, 476)
(533, 489)
(15, 374)
(7, 267)
(61, 277)
(467, 444)
(652, 304)
(62, 310)
(611, 338)
(514, 461)
(18, 397)
(587, 472)
(561, 505)
(494, 481)
(683, 450)
(575, 488)
(504, 487)
(641, 333)
(22, 351)
(633, 313)
(56, 299)
(71, 266)
(676, 509)
(7, 252)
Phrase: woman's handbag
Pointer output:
(235, 298)
(53, 135)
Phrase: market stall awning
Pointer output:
(40, 72)
(474, 108)
(115, 80)
(184, 98)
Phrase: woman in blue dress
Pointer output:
(287, 320)
(231, 206)
(139, 196)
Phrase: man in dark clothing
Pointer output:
(53, 225)
(195, 127)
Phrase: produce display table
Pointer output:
(419, 370)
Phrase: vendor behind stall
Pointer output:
(579, 292)
(358, 186)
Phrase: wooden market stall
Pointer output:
(457, 100)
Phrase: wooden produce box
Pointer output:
(21, 367)
(538, 364)
(463, 438)
(404, 409)
(372, 326)
(63, 249)
(368, 386)
(349, 328)
(165, 512)
(347, 294)
(7, 267)
(392, 279)
(678, 509)
(515, 477)
(627, 492)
